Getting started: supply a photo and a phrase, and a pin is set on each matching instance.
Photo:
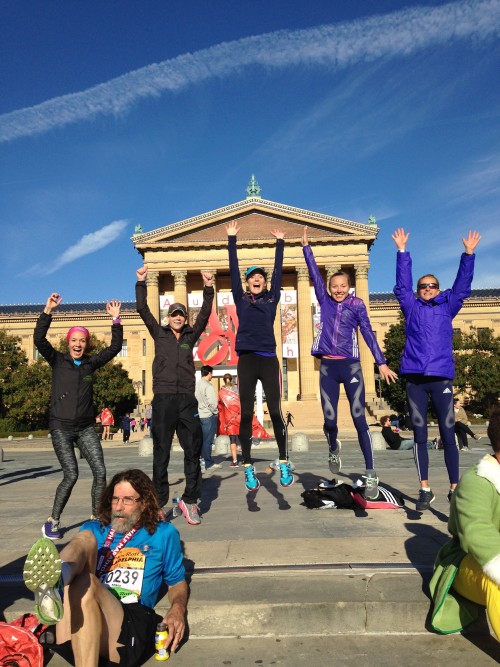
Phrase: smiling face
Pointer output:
(424, 290)
(177, 320)
(77, 344)
(339, 288)
(256, 283)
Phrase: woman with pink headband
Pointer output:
(72, 415)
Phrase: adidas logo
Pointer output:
(447, 391)
(354, 380)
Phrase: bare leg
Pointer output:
(92, 615)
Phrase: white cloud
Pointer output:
(85, 246)
(336, 46)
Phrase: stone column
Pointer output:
(154, 307)
(308, 379)
(180, 289)
(366, 357)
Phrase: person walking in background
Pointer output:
(126, 427)
(149, 411)
(107, 421)
(174, 407)
(336, 346)
(256, 349)
(289, 418)
(207, 409)
(72, 414)
(427, 362)
(133, 424)
(461, 427)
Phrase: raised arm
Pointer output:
(463, 282)
(403, 289)
(276, 278)
(232, 230)
(206, 307)
(141, 303)
(312, 267)
(101, 358)
(42, 326)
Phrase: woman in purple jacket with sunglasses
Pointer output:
(427, 361)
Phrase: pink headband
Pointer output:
(73, 329)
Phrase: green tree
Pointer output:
(30, 396)
(477, 368)
(12, 358)
(394, 341)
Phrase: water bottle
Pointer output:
(176, 510)
(161, 637)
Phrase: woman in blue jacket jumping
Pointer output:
(336, 345)
(256, 349)
(427, 361)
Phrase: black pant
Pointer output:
(251, 368)
(176, 413)
(461, 431)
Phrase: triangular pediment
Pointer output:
(256, 218)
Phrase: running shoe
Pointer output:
(286, 477)
(234, 464)
(251, 481)
(191, 512)
(42, 576)
(51, 529)
(425, 498)
(371, 485)
(334, 460)
(275, 465)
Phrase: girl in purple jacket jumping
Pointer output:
(336, 345)
(427, 361)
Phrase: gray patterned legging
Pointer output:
(64, 443)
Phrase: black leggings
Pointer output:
(251, 368)
(64, 443)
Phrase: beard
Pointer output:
(122, 524)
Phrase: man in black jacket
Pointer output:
(175, 409)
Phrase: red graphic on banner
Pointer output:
(219, 339)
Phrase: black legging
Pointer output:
(251, 368)
(461, 431)
(64, 443)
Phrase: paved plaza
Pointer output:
(265, 570)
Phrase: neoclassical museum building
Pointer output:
(176, 253)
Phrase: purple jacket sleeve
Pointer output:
(462, 286)
(368, 335)
(278, 270)
(404, 282)
(314, 274)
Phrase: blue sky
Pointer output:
(121, 112)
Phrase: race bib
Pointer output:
(125, 575)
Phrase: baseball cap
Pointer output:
(174, 307)
(255, 269)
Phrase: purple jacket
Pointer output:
(339, 321)
(429, 332)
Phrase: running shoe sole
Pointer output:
(41, 573)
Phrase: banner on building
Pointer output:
(289, 328)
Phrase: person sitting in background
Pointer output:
(461, 426)
(394, 440)
(467, 569)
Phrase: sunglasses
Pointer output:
(429, 285)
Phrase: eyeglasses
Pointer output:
(126, 500)
(429, 285)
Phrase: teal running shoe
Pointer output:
(251, 481)
(286, 477)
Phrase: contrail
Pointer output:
(85, 246)
(335, 46)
